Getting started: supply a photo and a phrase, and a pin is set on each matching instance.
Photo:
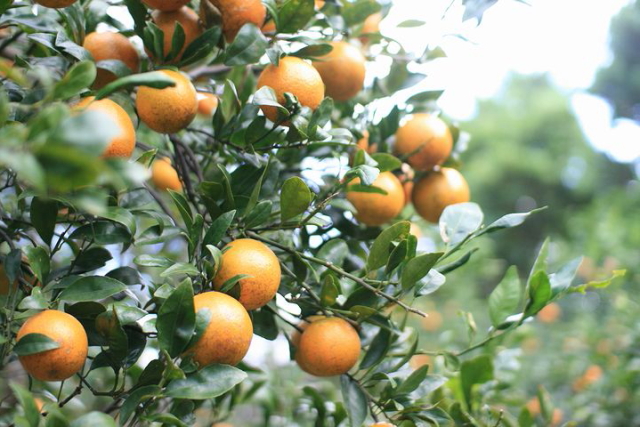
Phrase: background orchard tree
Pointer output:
(239, 178)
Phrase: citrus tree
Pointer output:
(179, 178)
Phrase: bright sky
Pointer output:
(566, 38)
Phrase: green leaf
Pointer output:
(154, 79)
(509, 221)
(334, 251)
(398, 255)
(561, 280)
(38, 261)
(295, 198)
(377, 349)
(367, 174)
(43, 217)
(177, 41)
(247, 47)
(259, 214)
(92, 288)
(28, 403)
(475, 371)
(413, 381)
(599, 284)
(231, 282)
(80, 76)
(356, 12)
(93, 419)
(121, 216)
(386, 162)
(201, 46)
(504, 299)
(115, 67)
(34, 343)
(183, 207)
(355, 401)
(422, 97)
(176, 320)
(218, 228)
(181, 268)
(210, 382)
(540, 264)
(313, 51)
(134, 399)
(381, 247)
(539, 293)
(417, 268)
(294, 15)
(145, 260)
(458, 221)
(329, 292)
(411, 23)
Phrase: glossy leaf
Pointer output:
(210, 382)
(176, 320)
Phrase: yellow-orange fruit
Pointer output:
(362, 144)
(110, 45)
(228, 334)
(124, 142)
(328, 347)
(164, 176)
(432, 322)
(319, 4)
(295, 336)
(437, 190)
(342, 71)
(370, 25)
(254, 258)
(375, 208)
(591, 375)
(171, 109)
(56, 4)
(166, 21)
(428, 137)
(295, 76)
(419, 360)
(165, 5)
(269, 27)
(236, 13)
(549, 313)
(382, 425)
(207, 103)
(415, 230)
(62, 362)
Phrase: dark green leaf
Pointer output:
(313, 50)
(294, 15)
(355, 401)
(381, 247)
(386, 162)
(34, 343)
(475, 371)
(377, 349)
(247, 47)
(92, 288)
(295, 198)
(134, 399)
(259, 214)
(145, 260)
(176, 320)
(329, 292)
(418, 267)
(38, 261)
(80, 76)
(413, 381)
(210, 382)
(43, 214)
(218, 228)
(154, 79)
(504, 299)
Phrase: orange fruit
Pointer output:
(432, 322)
(328, 347)
(269, 27)
(549, 313)
(62, 362)
(110, 45)
(375, 208)
(342, 71)
(56, 4)
(164, 176)
(415, 230)
(189, 21)
(165, 5)
(295, 76)
(170, 109)
(371, 25)
(295, 336)
(363, 144)
(207, 103)
(228, 334)
(121, 145)
(593, 373)
(382, 425)
(248, 256)
(419, 360)
(428, 137)
(236, 13)
(319, 4)
(437, 190)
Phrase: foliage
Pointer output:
(87, 235)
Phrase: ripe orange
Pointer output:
(319, 4)
(437, 190)
(62, 362)
(123, 144)
(165, 5)
(432, 322)
(269, 27)
(342, 71)
(375, 208)
(550, 313)
(295, 336)
(382, 425)
(419, 360)
(164, 176)
(110, 45)
(236, 13)
(228, 334)
(207, 103)
(56, 4)
(370, 25)
(248, 256)
(328, 347)
(295, 76)
(167, 22)
(415, 230)
(430, 133)
(171, 109)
